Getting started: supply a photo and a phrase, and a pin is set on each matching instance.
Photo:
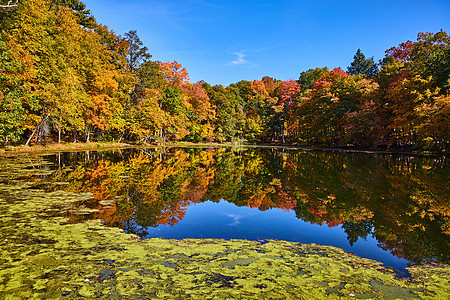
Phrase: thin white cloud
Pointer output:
(235, 219)
(239, 59)
(240, 56)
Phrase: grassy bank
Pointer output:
(57, 147)
(92, 146)
(63, 147)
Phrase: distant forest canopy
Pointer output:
(66, 77)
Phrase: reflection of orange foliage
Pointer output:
(95, 173)
(146, 178)
(97, 180)
(254, 201)
(271, 197)
(446, 228)
(285, 201)
(196, 186)
(318, 211)
(334, 223)
(261, 199)
(172, 214)
(108, 214)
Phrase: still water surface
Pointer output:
(391, 208)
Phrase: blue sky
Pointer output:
(223, 42)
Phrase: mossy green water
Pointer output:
(44, 257)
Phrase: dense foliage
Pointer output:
(64, 76)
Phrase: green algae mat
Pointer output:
(42, 256)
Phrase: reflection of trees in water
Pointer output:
(404, 198)
(356, 230)
(402, 201)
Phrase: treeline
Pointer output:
(66, 77)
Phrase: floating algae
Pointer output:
(42, 256)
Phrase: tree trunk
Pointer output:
(36, 129)
(59, 134)
(122, 136)
(75, 134)
(88, 133)
(31, 136)
(282, 130)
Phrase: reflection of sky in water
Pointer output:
(235, 219)
(225, 220)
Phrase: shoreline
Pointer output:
(9, 151)
(61, 147)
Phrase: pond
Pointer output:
(390, 208)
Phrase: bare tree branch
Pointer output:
(14, 3)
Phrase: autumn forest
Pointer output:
(66, 77)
